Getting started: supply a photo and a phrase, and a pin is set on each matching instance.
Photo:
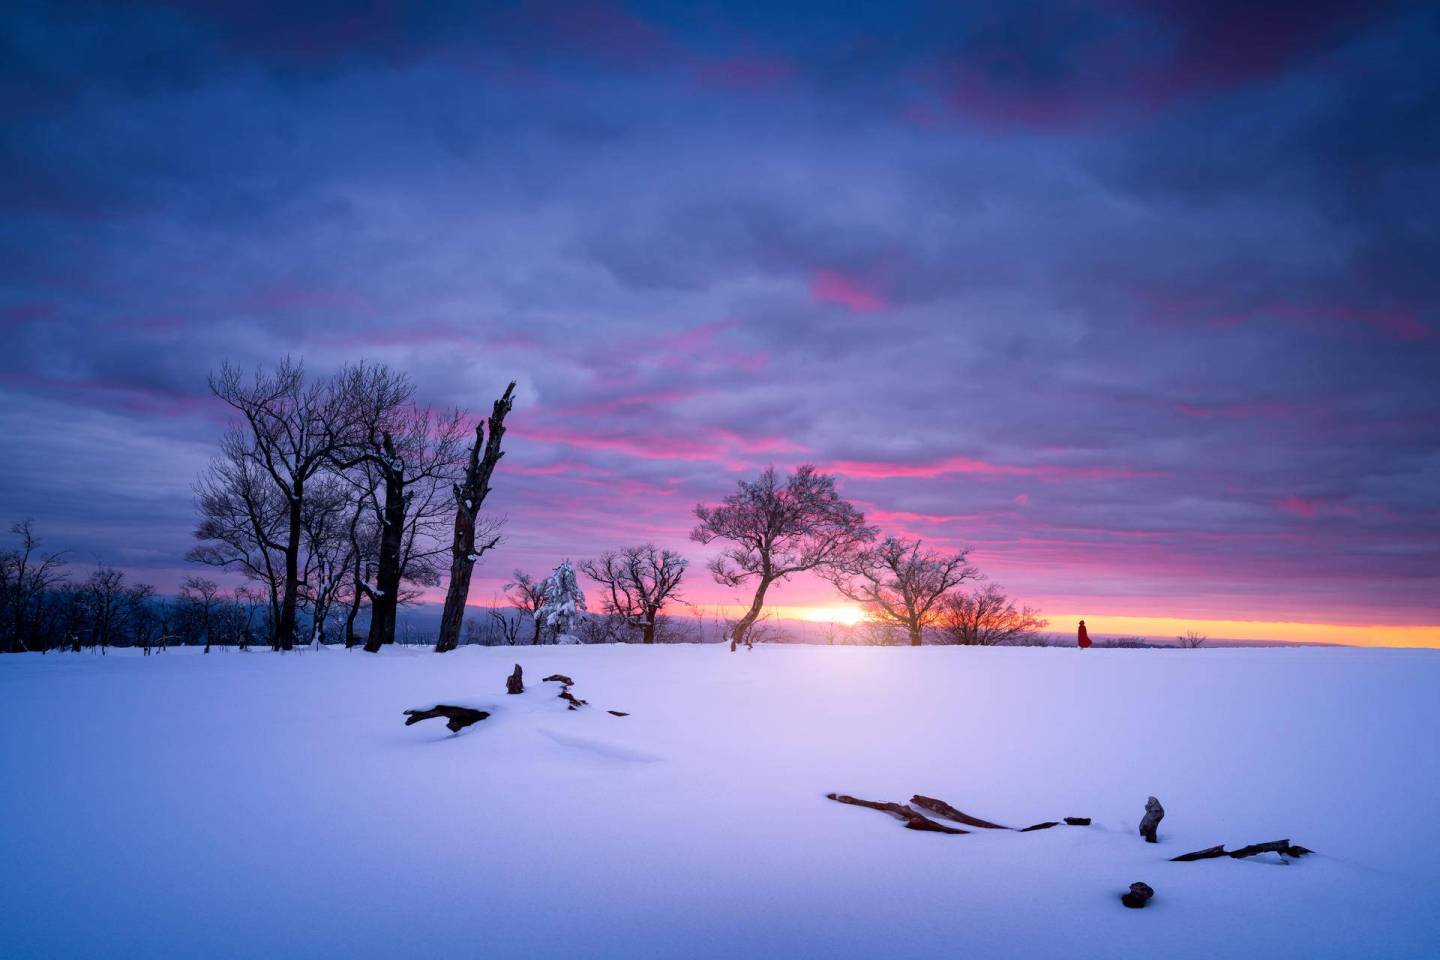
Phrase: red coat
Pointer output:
(1084, 637)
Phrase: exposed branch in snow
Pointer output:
(914, 820)
(458, 718)
(561, 678)
(945, 810)
(1282, 847)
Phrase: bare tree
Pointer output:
(505, 625)
(293, 431)
(26, 575)
(987, 617)
(200, 598)
(1192, 640)
(778, 529)
(242, 521)
(105, 600)
(898, 582)
(329, 550)
(638, 583)
(470, 541)
(528, 596)
(409, 456)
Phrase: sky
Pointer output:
(1138, 301)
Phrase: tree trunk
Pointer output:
(742, 627)
(350, 616)
(285, 631)
(386, 598)
(648, 631)
(915, 634)
(458, 591)
(469, 495)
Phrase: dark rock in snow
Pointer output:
(1078, 821)
(1139, 895)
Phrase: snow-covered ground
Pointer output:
(246, 805)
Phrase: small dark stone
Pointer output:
(1078, 821)
(1139, 895)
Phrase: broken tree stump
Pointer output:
(950, 813)
(1149, 823)
(515, 683)
(914, 820)
(1139, 895)
(457, 718)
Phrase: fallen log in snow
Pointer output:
(561, 678)
(914, 820)
(950, 813)
(457, 718)
(943, 809)
(1283, 847)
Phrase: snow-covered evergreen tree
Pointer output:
(563, 602)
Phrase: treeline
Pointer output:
(43, 609)
(342, 497)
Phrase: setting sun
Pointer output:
(847, 615)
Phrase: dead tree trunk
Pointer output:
(469, 495)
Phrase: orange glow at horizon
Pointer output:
(1164, 628)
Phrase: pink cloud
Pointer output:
(26, 312)
(1299, 506)
(831, 286)
(1235, 411)
(885, 470)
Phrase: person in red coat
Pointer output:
(1084, 637)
